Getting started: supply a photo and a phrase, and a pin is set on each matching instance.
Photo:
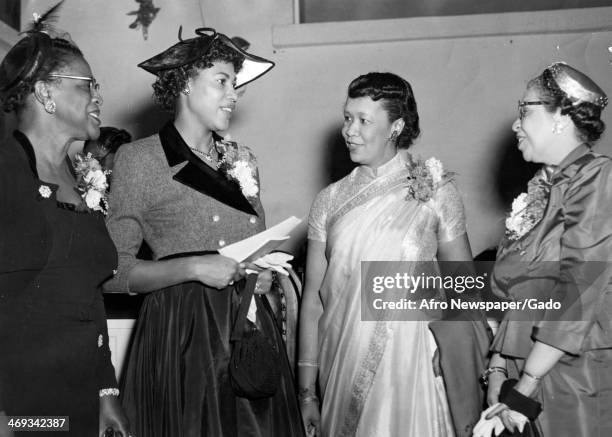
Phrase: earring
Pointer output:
(186, 91)
(50, 106)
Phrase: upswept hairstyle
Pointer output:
(397, 99)
(61, 53)
(170, 83)
(584, 115)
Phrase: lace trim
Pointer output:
(109, 392)
(365, 378)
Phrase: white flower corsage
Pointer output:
(528, 208)
(240, 165)
(92, 182)
(424, 177)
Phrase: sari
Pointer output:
(376, 378)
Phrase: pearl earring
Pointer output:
(186, 91)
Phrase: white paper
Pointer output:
(261, 244)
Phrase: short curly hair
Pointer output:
(584, 115)
(396, 98)
(61, 54)
(170, 83)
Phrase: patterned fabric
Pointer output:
(369, 384)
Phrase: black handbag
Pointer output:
(254, 362)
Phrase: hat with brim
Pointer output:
(187, 51)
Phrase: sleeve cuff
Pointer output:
(567, 341)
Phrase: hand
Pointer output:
(217, 271)
(264, 282)
(113, 417)
(311, 418)
(5, 431)
(496, 379)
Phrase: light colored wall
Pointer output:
(467, 74)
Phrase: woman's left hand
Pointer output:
(264, 282)
(113, 417)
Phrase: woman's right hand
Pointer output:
(311, 418)
(496, 379)
(217, 271)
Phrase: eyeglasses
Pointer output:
(523, 111)
(94, 86)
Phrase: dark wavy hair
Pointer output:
(170, 83)
(110, 139)
(397, 99)
(62, 52)
(584, 115)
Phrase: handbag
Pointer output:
(254, 362)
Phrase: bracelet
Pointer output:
(529, 375)
(307, 363)
(308, 399)
(484, 378)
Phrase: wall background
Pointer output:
(467, 74)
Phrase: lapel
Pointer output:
(199, 176)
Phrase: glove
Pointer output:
(277, 261)
(485, 426)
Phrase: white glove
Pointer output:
(277, 261)
(485, 427)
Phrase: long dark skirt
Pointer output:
(176, 382)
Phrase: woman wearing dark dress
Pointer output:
(187, 193)
(558, 246)
(54, 250)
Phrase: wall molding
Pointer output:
(8, 36)
(463, 26)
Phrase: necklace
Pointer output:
(208, 156)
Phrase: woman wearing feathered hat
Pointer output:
(54, 247)
(187, 193)
(557, 251)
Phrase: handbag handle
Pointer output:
(245, 303)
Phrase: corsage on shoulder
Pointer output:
(240, 165)
(528, 208)
(424, 177)
(92, 182)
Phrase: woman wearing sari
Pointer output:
(375, 378)
(558, 246)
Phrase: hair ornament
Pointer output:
(578, 87)
(42, 23)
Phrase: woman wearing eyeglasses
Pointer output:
(555, 259)
(54, 248)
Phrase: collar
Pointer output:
(24, 142)
(396, 163)
(572, 162)
(199, 176)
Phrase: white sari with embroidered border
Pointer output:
(376, 378)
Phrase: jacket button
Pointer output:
(215, 218)
(253, 220)
(221, 243)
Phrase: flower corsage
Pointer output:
(92, 182)
(527, 210)
(424, 177)
(239, 164)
